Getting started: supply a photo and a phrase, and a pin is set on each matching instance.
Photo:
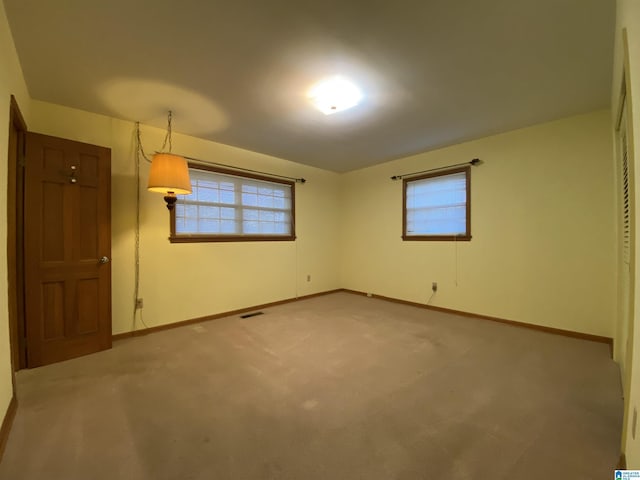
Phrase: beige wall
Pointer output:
(11, 83)
(184, 281)
(628, 16)
(543, 247)
(540, 190)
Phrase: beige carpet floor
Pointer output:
(334, 387)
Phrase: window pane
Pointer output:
(249, 199)
(226, 204)
(437, 205)
(227, 196)
(228, 213)
(207, 194)
(250, 214)
(265, 201)
(251, 227)
(228, 226)
(209, 226)
(267, 216)
(209, 212)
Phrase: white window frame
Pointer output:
(408, 210)
(239, 207)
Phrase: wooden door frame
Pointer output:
(15, 244)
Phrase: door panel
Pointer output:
(66, 232)
(87, 245)
(87, 300)
(53, 311)
(52, 232)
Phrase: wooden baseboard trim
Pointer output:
(622, 462)
(168, 326)
(556, 331)
(5, 429)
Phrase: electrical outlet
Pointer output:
(308, 278)
(139, 303)
(434, 287)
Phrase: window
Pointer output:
(436, 206)
(231, 206)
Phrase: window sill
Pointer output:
(230, 238)
(437, 238)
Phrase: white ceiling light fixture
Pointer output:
(334, 94)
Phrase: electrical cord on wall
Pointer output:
(136, 289)
(455, 246)
(431, 297)
(297, 272)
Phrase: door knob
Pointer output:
(104, 260)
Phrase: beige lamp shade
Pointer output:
(169, 174)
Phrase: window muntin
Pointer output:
(436, 206)
(229, 206)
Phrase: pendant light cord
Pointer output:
(167, 136)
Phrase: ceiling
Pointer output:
(433, 72)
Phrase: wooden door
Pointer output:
(67, 236)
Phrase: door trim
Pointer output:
(15, 264)
(7, 422)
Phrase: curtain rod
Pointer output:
(231, 167)
(474, 162)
